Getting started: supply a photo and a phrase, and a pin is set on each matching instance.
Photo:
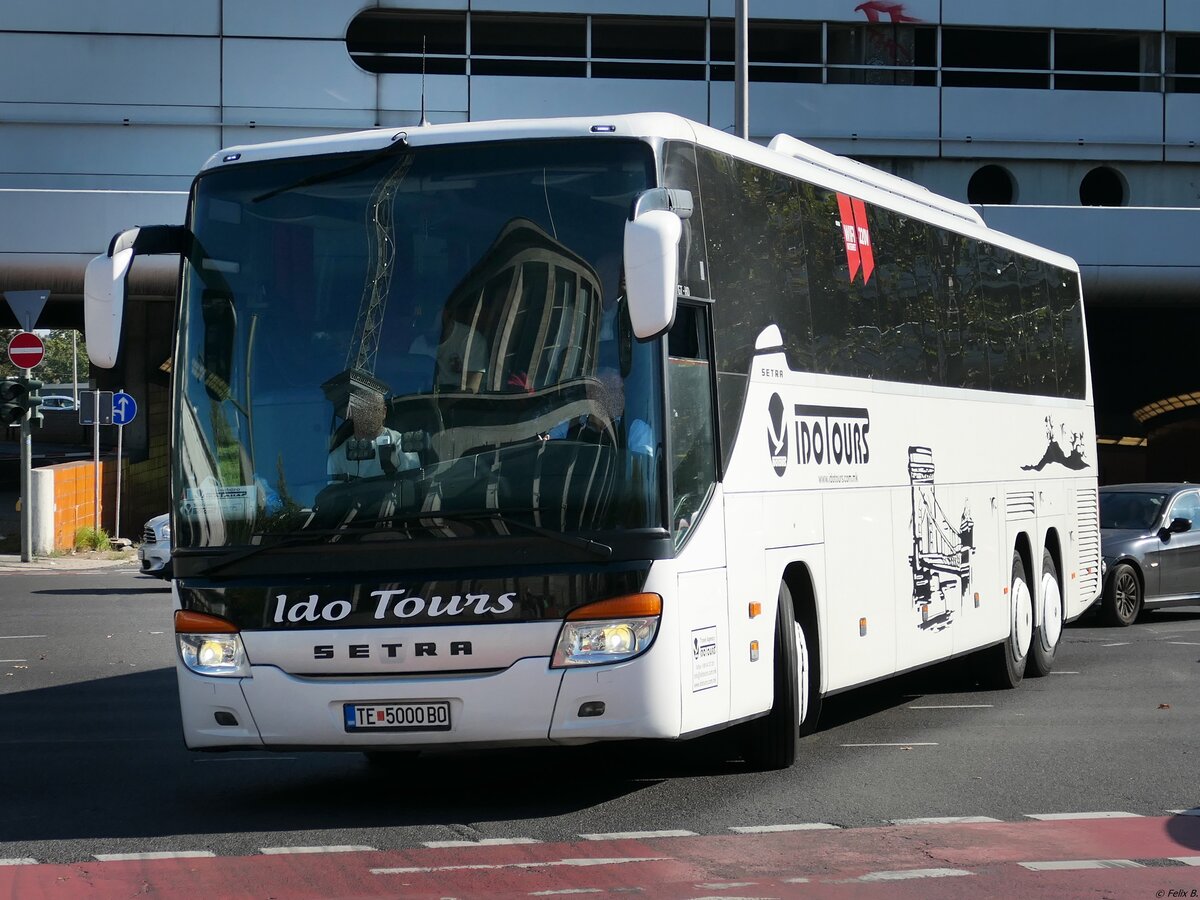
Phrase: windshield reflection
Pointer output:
(436, 332)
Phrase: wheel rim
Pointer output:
(1052, 614)
(1127, 594)
(1022, 633)
(801, 673)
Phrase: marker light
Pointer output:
(603, 129)
(210, 645)
(231, 157)
(608, 631)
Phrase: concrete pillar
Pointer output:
(41, 489)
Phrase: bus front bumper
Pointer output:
(526, 704)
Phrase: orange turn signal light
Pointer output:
(755, 609)
(629, 606)
(189, 622)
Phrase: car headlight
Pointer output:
(210, 645)
(166, 532)
(608, 631)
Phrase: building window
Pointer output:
(1101, 61)
(779, 51)
(393, 40)
(655, 48)
(1183, 63)
(1103, 186)
(978, 57)
(881, 54)
(992, 184)
(529, 45)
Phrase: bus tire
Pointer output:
(771, 740)
(1046, 636)
(1003, 666)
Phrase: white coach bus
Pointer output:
(559, 431)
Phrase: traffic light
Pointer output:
(18, 396)
(13, 396)
(33, 401)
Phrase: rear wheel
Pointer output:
(1123, 596)
(1046, 635)
(1003, 666)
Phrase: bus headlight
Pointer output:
(210, 645)
(608, 631)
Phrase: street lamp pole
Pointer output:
(741, 81)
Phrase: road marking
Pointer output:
(795, 881)
(636, 835)
(900, 744)
(19, 637)
(1194, 811)
(1118, 644)
(158, 854)
(614, 861)
(19, 861)
(566, 891)
(1064, 673)
(957, 706)
(13, 660)
(1059, 817)
(906, 874)
(334, 848)
(482, 842)
(946, 820)
(1184, 643)
(772, 829)
(1187, 860)
(726, 885)
(1068, 865)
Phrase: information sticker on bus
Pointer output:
(420, 715)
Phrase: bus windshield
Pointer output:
(377, 340)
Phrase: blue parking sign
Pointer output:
(124, 408)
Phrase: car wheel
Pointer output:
(1003, 666)
(1122, 596)
(1046, 635)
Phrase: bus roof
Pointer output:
(785, 154)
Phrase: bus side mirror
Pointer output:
(104, 282)
(652, 271)
(104, 306)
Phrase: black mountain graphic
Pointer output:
(1054, 454)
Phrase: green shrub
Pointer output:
(89, 538)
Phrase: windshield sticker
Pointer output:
(236, 502)
(704, 658)
(1055, 438)
(942, 549)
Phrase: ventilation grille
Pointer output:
(1019, 505)
(1087, 532)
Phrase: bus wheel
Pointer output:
(1003, 666)
(1044, 643)
(771, 740)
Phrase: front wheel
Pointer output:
(1123, 597)
(1047, 633)
(770, 742)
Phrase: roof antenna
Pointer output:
(423, 121)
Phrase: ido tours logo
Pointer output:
(823, 436)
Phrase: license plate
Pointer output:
(413, 715)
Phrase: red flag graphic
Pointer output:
(849, 233)
(864, 239)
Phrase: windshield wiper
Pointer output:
(357, 528)
(399, 143)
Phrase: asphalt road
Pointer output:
(91, 759)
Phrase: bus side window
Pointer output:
(690, 413)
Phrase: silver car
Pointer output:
(155, 550)
(1150, 541)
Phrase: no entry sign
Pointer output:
(26, 350)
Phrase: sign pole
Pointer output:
(26, 493)
(117, 524)
(96, 464)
